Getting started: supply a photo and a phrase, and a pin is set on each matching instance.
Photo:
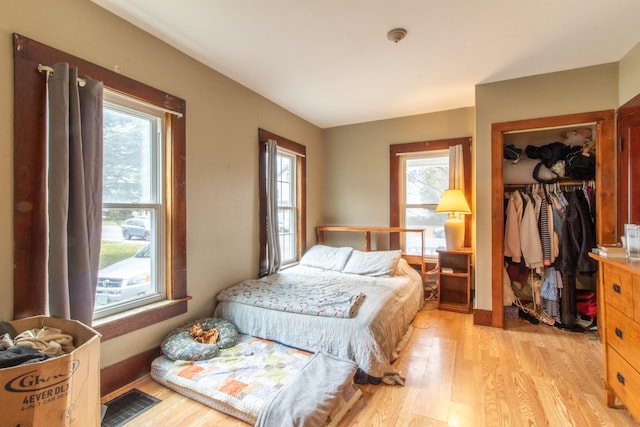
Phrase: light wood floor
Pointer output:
(458, 374)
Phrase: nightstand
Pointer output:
(454, 280)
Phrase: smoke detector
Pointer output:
(396, 34)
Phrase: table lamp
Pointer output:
(453, 203)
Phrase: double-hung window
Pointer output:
(287, 209)
(132, 250)
(291, 199)
(424, 178)
(419, 174)
(142, 277)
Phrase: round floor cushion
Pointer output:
(180, 345)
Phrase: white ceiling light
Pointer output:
(396, 34)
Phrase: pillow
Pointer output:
(180, 345)
(377, 263)
(326, 257)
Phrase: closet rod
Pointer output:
(560, 183)
(49, 70)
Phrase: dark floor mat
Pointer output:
(126, 407)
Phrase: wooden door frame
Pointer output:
(628, 119)
(605, 186)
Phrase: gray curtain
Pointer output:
(74, 193)
(273, 238)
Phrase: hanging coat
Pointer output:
(578, 237)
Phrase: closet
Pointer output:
(542, 132)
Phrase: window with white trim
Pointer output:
(287, 209)
(166, 215)
(419, 173)
(424, 177)
(131, 257)
(292, 199)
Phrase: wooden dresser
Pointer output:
(619, 325)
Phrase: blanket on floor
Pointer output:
(309, 399)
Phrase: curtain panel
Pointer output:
(74, 192)
(456, 167)
(273, 237)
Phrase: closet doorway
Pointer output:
(604, 124)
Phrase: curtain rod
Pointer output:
(280, 148)
(49, 70)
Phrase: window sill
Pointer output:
(138, 318)
(289, 265)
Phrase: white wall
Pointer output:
(223, 118)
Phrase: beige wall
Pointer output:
(575, 91)
(356, 185)
(222, 130)
(629, 75)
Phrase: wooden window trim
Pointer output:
(30, 228)
(395, 150)
(301, 190)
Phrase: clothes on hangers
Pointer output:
(549, 228)
(578, 236)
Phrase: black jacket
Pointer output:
(578, 237)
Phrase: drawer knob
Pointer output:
(620, 378)
(619, 333)
(617, 288)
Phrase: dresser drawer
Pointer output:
(618, 289)
(623, 334)
(624, 381)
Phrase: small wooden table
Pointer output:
(454, 280)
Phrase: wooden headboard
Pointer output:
(411, 259)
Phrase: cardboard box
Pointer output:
(61, 391)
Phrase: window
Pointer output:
(419, 173)
(291, 172)
(287, 210)
(150, 193)
(132, 249)
(424, 178)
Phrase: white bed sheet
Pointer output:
(369, 339)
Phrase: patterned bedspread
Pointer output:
(369, 339)
(317, 301)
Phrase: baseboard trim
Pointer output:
(122, 373)
(482, 317)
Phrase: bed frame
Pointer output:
(411, 259)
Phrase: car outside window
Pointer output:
(136, 228)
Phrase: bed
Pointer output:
(377, 295)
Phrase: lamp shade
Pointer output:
(453, 201)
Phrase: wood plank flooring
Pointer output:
(458, 374)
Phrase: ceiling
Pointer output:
(330, 62)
